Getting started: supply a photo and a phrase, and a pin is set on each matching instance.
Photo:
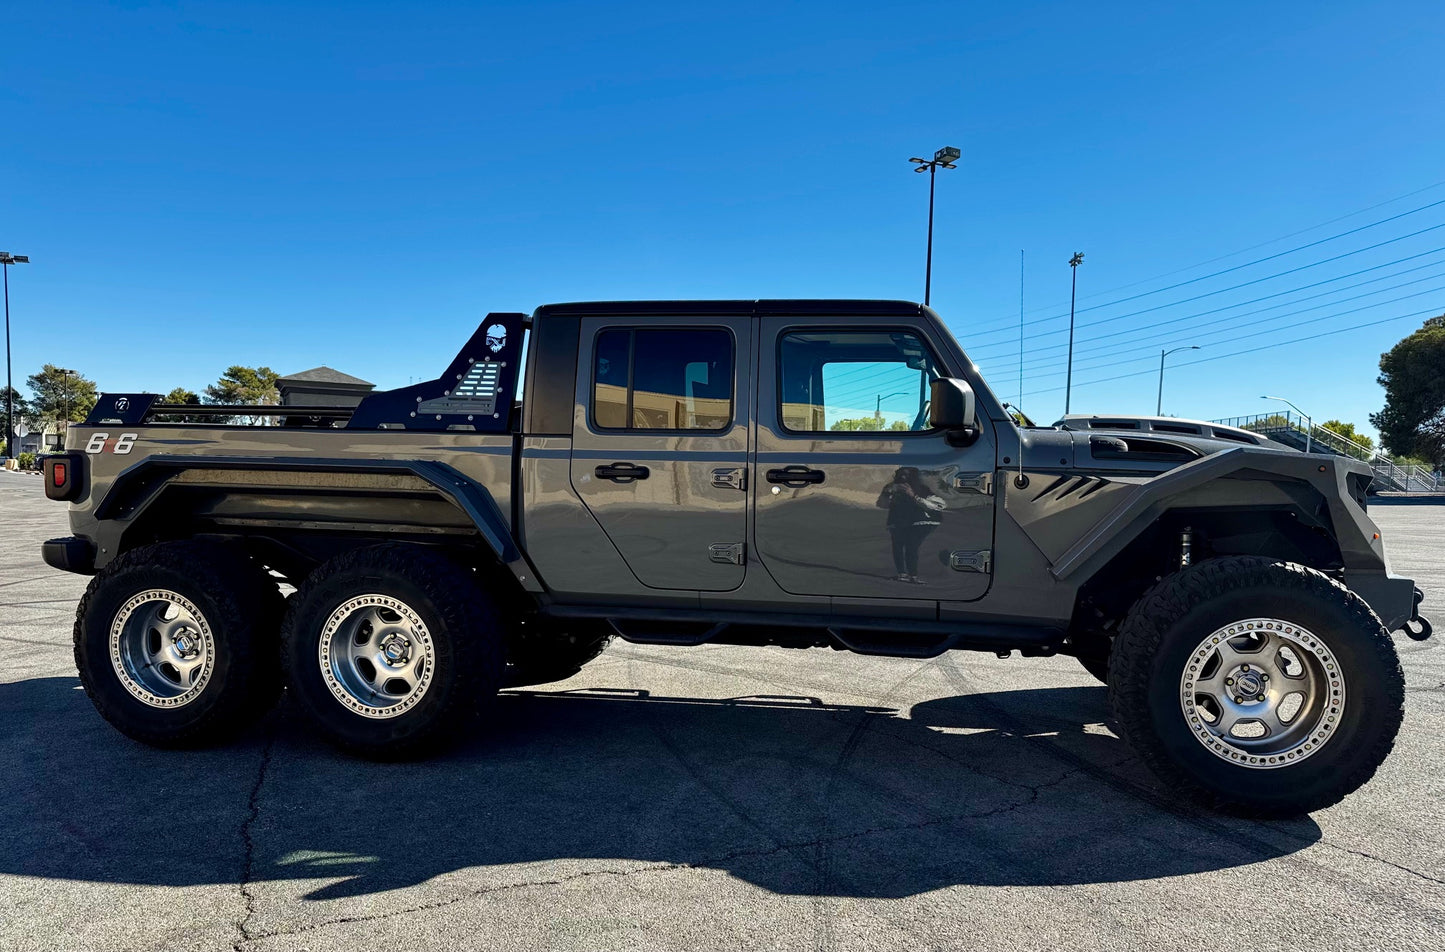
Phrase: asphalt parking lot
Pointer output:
(701, 798)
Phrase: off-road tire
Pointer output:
(1163, 628)
(463, 624)
(242, 608)
(543, 657)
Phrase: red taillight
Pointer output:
(64, 475)
(57, 474)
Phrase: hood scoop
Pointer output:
(1141, 448)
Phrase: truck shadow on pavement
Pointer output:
(788, 793)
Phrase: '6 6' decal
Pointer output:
(120, 446)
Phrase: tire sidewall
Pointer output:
(310, 612)
(1367, 709)
(109, 694)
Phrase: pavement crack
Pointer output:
(1380, 859)
(248, 850)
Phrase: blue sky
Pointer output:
(358, 184)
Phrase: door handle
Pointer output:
(622, 472)
(795, 476)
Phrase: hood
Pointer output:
(1153, 442)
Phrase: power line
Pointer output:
(1262, 244)
(1194, 330)
(1275, 330)
(1267, 297)
(1250, 350)
(1268, 277)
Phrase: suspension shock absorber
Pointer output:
(1186, 546)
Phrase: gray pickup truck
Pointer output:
(813, 473)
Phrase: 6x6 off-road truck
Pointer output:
(829, 474)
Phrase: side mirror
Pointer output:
(951, 408)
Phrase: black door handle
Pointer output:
(622, 472)
(795, 476)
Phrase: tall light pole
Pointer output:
(6, 260)
(878, 408)
(65, 376)
(943, 158)
(1159, 406)
(1074, 263)
(1309, 423)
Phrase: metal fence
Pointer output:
(1294, 431)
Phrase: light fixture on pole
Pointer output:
(1159, 406)
(6, 260)
(1309, 423)
(1074, 263)
(943, 158)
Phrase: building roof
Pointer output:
(323, 375)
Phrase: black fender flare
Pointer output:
(136, 488)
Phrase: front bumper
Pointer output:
(1394, 598)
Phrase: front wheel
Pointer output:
(1256, 686)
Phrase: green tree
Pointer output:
(248, 386)
(60, 397)
(858, 423)
(1347, 430)
(1413, 375)
(180, 396)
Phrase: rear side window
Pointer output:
(662, 379)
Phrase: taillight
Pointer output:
(62, 476)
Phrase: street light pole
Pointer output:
(6, 260)
(1309, 422)
(1074, 263)
(1159, 406)
(944, 158)
(65, 378)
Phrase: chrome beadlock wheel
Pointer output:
(162, 648)
(376, 656)
(1262, 693)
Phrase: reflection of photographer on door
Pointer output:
(913, 512)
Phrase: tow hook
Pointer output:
(1418, 628)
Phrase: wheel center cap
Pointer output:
(395, 651)
(1249, 684)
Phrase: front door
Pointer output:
(856, 496)
(660, 457)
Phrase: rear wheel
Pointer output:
(390, 649)
(175, 642)
(1257, 686)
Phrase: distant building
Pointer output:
(322, 387)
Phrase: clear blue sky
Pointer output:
(358, 184)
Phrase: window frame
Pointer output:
(914, 330)
(632, 330)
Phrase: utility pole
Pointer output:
(6, 260)
(1159, 406)
(1074, 263)
(944, 158)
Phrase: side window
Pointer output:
(662, 379)
(854, 381)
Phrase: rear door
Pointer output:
(660, 455)
(856, 496)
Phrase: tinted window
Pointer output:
(663, 380)
(837, 381)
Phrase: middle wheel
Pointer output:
(391, 648)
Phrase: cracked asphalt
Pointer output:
(700, 798)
